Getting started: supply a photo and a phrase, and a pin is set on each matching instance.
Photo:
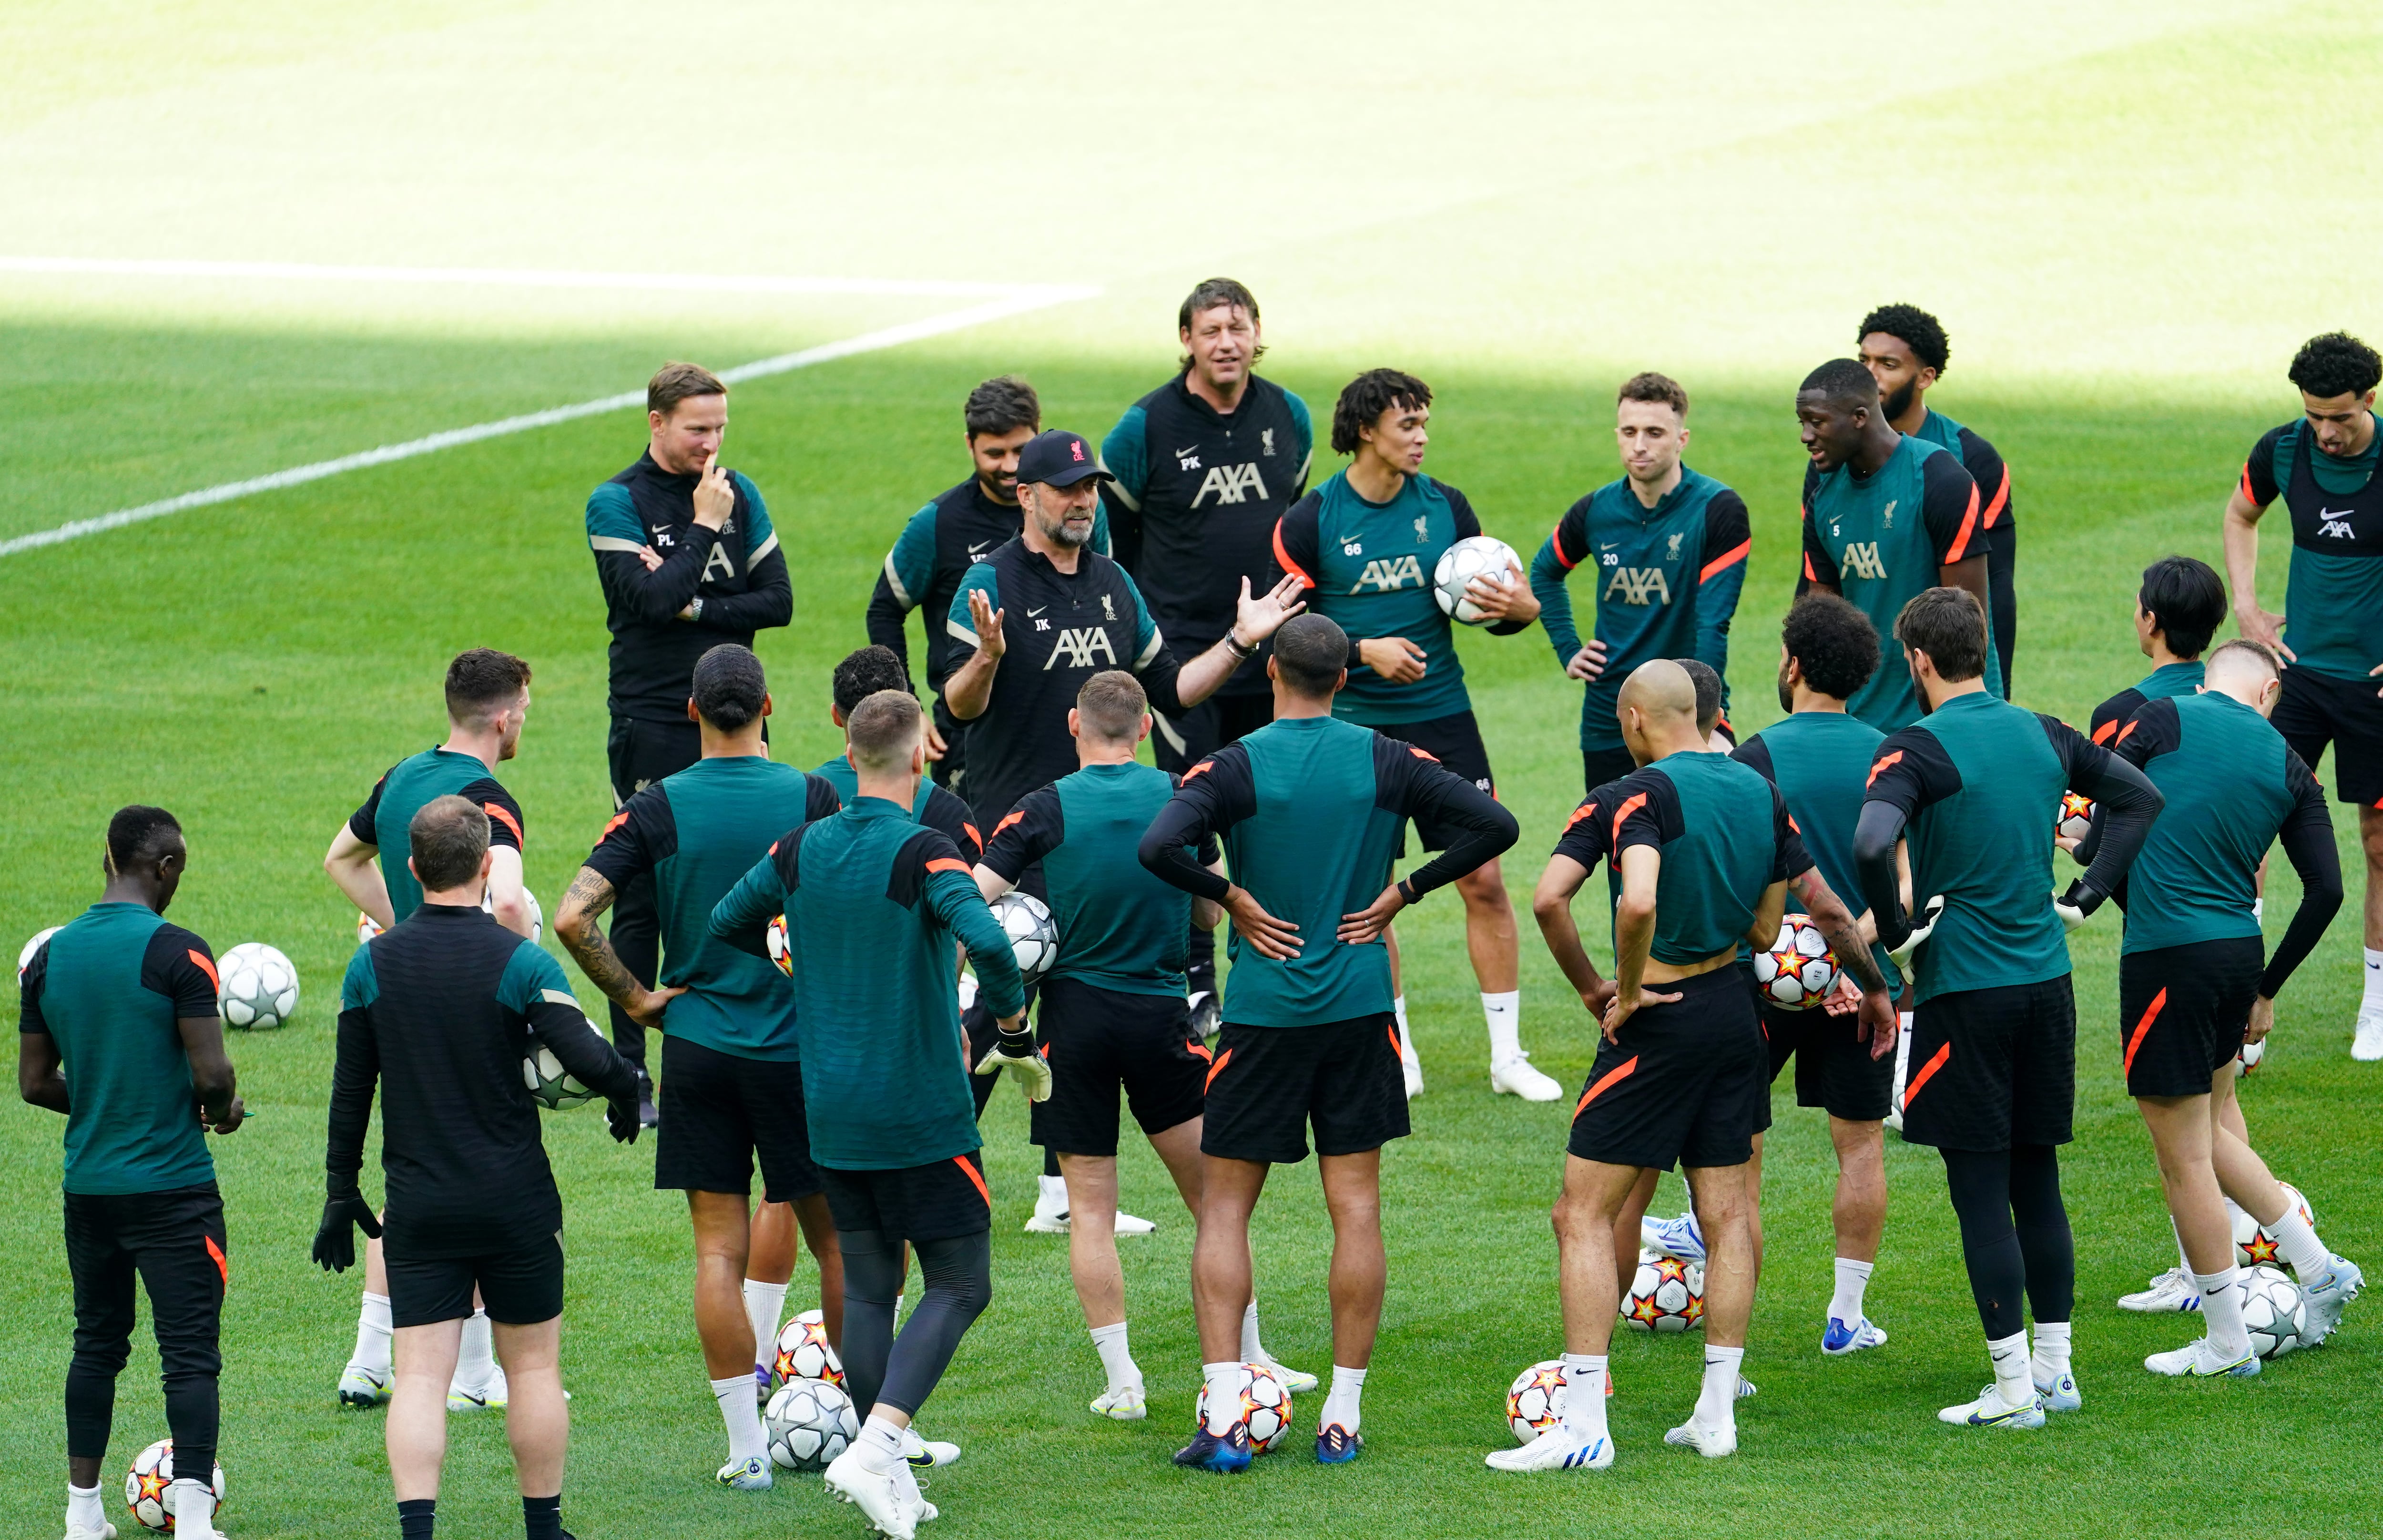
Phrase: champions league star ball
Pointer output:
(551, 1085)
(2254, 1246)
(1799, 971)
(808, 1423)
(2075, 819)
(2252, 1053)
(257, 989)
(1534, 1402)
(25, 958)
(1668, 1295)
(1474, 556)
(2272, 1311)
(1266, 1406)
(804, 1354)
(1032, 936)
(144, 1488)
(782, 956)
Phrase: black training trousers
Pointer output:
(2015, 1235)
(175, 1241)
(901, 1371)
(642, 752)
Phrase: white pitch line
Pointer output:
(1040, 298)
(514, 278)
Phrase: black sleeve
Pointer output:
(355, 1074)
(361, 822)
(1727, 526)
(505, 826)
(1789, 859)
(636, 840)
(181, 967)
(1031, 831)
(1468, 524)
(658, 596)
(2149, 732)
(2307, 836)
(1413, 783)
(2259, 482)
(29, 992)
(1646, 813)
(1948, 501)
(582, 1049)
(1584, 834)
(1910, 772)
(768, 599)
(1158, 677)
(1216, 794)
(947, 813)
(2112, 714)
(886, 623)
(1820, 567)
(1755, 755)
(2129, 803)
(1985, 464)
(820, 799)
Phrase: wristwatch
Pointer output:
(695, 608)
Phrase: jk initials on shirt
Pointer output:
(1077, 646)
(1861, 560)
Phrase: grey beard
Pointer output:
(1060, 533)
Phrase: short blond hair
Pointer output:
(884, 729)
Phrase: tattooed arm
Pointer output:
(589, 895)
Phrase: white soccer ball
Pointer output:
(146, 1483)
(808, 1423)
(1266, 1406)
(1032, 936)
(258, 990)
(536, 914)
(781, 950)
(25, 957)
(551, 1085)
(2251, 1054)
(2075, 819)
(2273, 1312)
(2254, 1246)
(1474, 556)
(1534, 1402)
(1668, 1295)
(1798, 970)
(804, 1353)
(366, 927)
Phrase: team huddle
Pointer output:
(844, 964)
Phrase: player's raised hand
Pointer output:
(1588, 662)
(715, 495)
(1504, 600)
(1394, 657)
(1368, 923)
(1254, 619)
(1274, 937)
(1625, 1005)
(987, 621)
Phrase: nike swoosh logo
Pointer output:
(1038, 611)
(2323, 513)
(1193, 450)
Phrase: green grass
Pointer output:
(2128, 216)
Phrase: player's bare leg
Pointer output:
(366, 1380)
(722, 1252)
(1360, 1275)
(2366, 1045)
(2183, 1140)
(818, 1226)
(538, 1423)
(1858, 1214)
(1100, 1282)
(1724, 1197)
(1492, 939)
(769, 1266)
(2327, 1281)
(424, 1358)
(1597, 1227)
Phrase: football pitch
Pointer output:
(430, 217)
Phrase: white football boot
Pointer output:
(1711, 1442)
(2325, 1299)
(878, 1494)
(2059, 1395)
(1299, 1382)
(2200, 1363)
(925, 1454)
(2366, 1041)
(104, 1531)
(746, 1475)
(1124, 1403)
(1682, 1237)
(1049, 1215)
(488, 1396)
(2171, 1292)
(1988, 1411)
(1515, 1077)
(1559, 1448)
(363, 1388)
(1837, 1339)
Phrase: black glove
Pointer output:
(621, 1116)
(335, 1238)
(2078, 903)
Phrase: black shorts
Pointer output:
(1598, 766)
(2182, 1011)
(2317, 709)
(1684, 1086)
(939, 1200)
(641, 753)
(720, 1112)
(1269, 1084)
(1455, 742)
(1992, 1069)
(1181, 741)
(1099, 1040)
(1834, 1069)
(519, 1287)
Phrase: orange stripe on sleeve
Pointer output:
(1006, 820)
(1622, 1071)
(974, 838)
(2102, 734)
(2142, 1028)
(1555, 539)
(1421, 754)
(1810, 576)
(623, 817)
(1726, 560)
(1936, 1061)
(944, 863)
(1881, 767)
(208, 968)
(1585, 810)
(2248, 496)
(2123, 733)
(1216, 1069)
(506, 819)
(976, 1179)
(1200, 769)
(1968, 526)
(1622, 814)
(2002, 497)
(1283, 556)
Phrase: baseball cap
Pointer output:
(1059, 458)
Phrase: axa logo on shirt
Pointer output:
(2336, 524)
(1861, 560)
(1639, 586)
(1386, 575)
(1081, 647)
(719, 562)
(1231, 483)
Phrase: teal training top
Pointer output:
(2164, 682)
(1820, 761)
(1725, 837)
(108, 989)
(873, 904)
(386, 817)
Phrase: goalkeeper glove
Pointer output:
(2077, 905)
(1933, 911)
(1016, 1053)
(335, 1238)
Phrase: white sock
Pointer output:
(372, 1334)
(880, 1444)
(745, 1440)
(2183, 1263)
(2009, 1355)
(1853, 1277)
(2297, 1240)
(194, 1504)
(1340, 1402)
(2221, 1304)
(1253, 1351)
(476, 1362)
(1584, 1412)
(1406, 1039)
(2235, 1214)
(1054, 1190)
(1115, 1356)
(84, 1511)
(2051, 1349)
(1504, 1012)
(1222, 1381)
(1716, 1403)
(2371, 1001)
(764, 1302)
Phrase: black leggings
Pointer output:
(174, 1242)
(902, 1371)
(2014, 1234)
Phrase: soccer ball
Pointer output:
(1032, 936)
(1474, 556)
(1799, 971)
(25, 958)
(551, 1085)
(1265, 1407)
(2251, 1054)
(782, 955)
(804, 1353)
(1534, 1402)
(809, 1423)
(259, 988)
(2075, 819)
(536, 911)
(366, 927)
(2254, 1246)
(1668, 1295)
(2273, 1312)
(146, 1483)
